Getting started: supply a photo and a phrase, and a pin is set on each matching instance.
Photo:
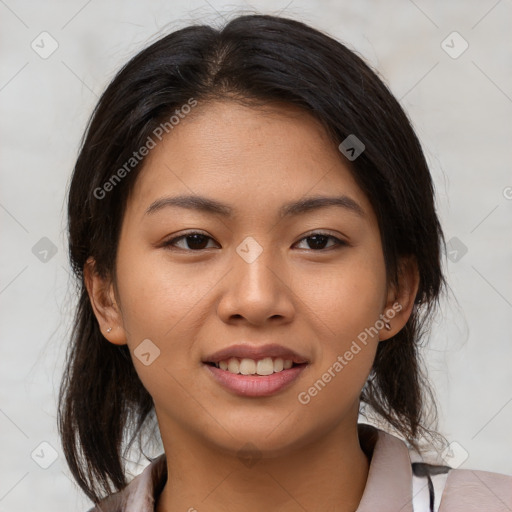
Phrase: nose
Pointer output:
(257, 290)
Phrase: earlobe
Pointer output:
(103, 302)
(400, 299)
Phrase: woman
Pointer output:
(252, 225)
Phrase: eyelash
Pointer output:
(169, 243)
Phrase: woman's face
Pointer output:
(253, 277)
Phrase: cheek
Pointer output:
(156, 295)
(160, 303)
(349, 296)
(347, 302)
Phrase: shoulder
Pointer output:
(446, 489)
(439, 487)
(140, 494)
(473, 490)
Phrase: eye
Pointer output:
(318, 240)
(196, 241)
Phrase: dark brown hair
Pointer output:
(256, 59)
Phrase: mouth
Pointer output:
(255, 371)
(257, 368)
(252, 384)
(256, 353)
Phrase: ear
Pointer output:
(400, 298)
(104, 304)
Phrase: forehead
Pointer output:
(245, 156)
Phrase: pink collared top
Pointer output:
(395, 483)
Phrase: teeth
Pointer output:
(265, 366)
(245, 366)
(233, 365)
(278, 364)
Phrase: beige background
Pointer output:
(461, 108)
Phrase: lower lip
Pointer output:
(252, 385)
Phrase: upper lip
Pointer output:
(255, 352)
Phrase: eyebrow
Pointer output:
(292, 208)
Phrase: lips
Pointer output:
(242, 351)
(256, 386)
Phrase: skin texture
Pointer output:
(190, 303)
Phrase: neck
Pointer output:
(329, 474)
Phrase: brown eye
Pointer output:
(318, 241)
(197, 241)
(193, 241)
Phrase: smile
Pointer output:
(250, 378)
(247, 366)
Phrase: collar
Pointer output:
(388, 487)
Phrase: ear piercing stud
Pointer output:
(109, 329)
(387, 326)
